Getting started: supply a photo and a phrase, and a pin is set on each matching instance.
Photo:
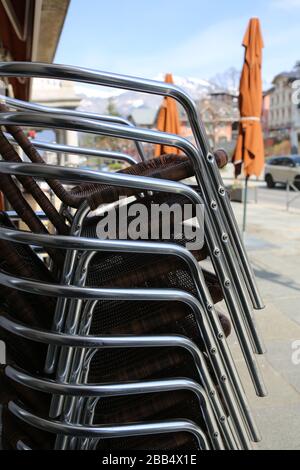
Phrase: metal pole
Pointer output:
(245, 205)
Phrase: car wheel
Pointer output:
(269, 180)
(297, 182)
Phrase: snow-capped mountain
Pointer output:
(196, 87)
(126, 101)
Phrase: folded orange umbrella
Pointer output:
(249, 150)
(168, 121)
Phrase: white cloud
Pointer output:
(286, 4)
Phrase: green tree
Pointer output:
(111, 107)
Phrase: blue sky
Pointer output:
(192, 38)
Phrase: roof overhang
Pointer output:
(30, 31)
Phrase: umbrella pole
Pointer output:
(245, 204)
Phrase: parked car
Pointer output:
(283, 170)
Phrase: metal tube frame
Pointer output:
(73, 374)
(217, 348)
(204, 321)
(19, 104)
(120, 389)
(110, 431)
(139, 182)
(75, 292)
(123, 157)
(212, 174)
(22, 446)
(100, 342)
(87, 125)
(183, 187)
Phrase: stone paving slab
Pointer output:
(273, 244)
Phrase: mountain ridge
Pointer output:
(126, 101)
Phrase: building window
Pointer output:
(235, 126)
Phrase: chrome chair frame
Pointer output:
(19, 104)
(71, 174)
(146, 183)
(60, 148)
(120, 389)
(76, 367)
(109, 431)
(22, 446)
(100, 342)
(217, 348)
(212, 206)
(231, 278)
(203, 320)
(206, 160)
(75, 292)
(80, 410)
(227, 284)
(258, 347)
(226, 253)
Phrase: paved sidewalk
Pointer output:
(273, 244)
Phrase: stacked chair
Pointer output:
(117, 344)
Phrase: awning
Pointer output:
(30, 31)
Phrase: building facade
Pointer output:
(283, 122)
(220, 115)
(58, 94)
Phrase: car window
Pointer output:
(284, 161)
(276, 161)
(288, 162)
(296, 160)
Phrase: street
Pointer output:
(259, 192)
(275, 197)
